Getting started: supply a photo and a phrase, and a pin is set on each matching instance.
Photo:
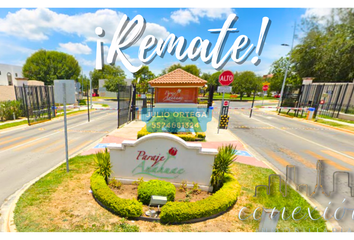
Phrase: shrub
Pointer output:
(139, 181)
(183, 186)
(115, 183)
(196, 188)
(222, 165)
(121, 207)
(201, 135)
(156, 187)
(177, 212)
(103, 164)
(10, 108)
(186, 137)
(82, 102)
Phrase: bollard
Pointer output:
(310, 113)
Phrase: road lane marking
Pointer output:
(4, 138)
(327, 161)
(31, 144)
(350, 161)
(305, 139)
(8, 141)
(62, 146)
(298, 158)
(71, 151)
(41, 148)
(277, 158)
(19, 143)
(350, 153)
(93, 120)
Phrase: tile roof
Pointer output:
(178, 77)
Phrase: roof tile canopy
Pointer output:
(178, 77)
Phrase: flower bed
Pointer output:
(122, 207)
(222, 200)
(190, 137)
(155, 187)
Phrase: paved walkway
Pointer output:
(213, 140)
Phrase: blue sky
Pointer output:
(72, 30)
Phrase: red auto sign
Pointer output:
(265, 88)
(226, 78)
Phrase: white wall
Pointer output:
(4, 69)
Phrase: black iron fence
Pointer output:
(328, 99)
(124, 98)
(37, 102)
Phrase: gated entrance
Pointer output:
(37, 102)
(131, 103)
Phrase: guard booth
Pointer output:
(177, 89)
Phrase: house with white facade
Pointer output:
(8, 75)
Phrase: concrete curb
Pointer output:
(330, 224)
(7, 209)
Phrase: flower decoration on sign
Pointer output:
(172, 151)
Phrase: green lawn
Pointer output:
(13, 124)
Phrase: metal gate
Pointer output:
(124, 100)
(37, 102)
(329, 99)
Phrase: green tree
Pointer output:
(245, 83)
(144, 75)
(84, 81)
(278, 69)
(326, 50)
(47, 66)
(191, 68)
(113, 74)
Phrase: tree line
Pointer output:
(325, 51)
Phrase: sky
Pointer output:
(23, 31)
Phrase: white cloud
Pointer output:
(318, 12)
(165, 19)
(38, 24)
(186, 16)
(75, 48)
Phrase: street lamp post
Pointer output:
(287, 67)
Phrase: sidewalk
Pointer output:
(339, 122)
(213, 140)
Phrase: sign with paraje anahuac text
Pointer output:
(162, 156)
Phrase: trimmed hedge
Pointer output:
(186, 137)
(176, 212)
(122, 207)
(155, 187)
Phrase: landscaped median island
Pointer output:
(86, 200)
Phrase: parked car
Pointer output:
(277, 95)
(95, 94)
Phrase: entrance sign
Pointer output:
(162, 156)
(226, 78)
(224, 89)
(177, 95)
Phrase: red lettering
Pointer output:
(140, 153)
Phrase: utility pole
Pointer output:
(287, 67)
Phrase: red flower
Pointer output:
(172, 151)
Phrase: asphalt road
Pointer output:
(284, 141)
(29, 151)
